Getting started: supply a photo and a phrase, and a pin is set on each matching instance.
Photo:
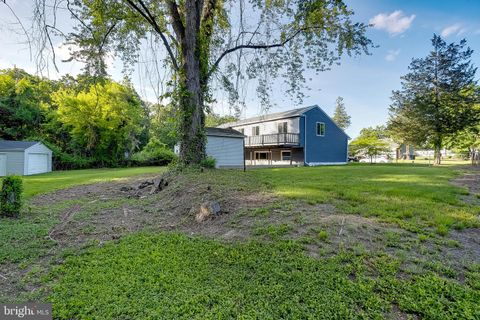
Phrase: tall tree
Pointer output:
(371, 143)
(22, 101)
(104, 121)
(207, 41)
(467, 142)
(437, 97)
(340, 116)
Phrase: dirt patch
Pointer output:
(471, 181)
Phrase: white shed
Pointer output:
(225, 146)
(24, 158)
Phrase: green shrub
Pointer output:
(208, 162)
(323, 235)
(62, 160)
(155, 153)
(11, 196)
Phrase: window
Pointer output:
(261, 155)
(286, 155)
(256, 131)
(282, 127)
(320, 129)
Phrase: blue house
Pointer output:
(305, 136)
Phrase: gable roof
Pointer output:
(16, 145)
(269, 117)
(333, 121)
(224, 132)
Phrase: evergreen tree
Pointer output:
(340, 116)
(437, 98)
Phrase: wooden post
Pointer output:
(244, 158)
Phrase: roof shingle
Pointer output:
(16, 145)
(224, 132)
(272, 116)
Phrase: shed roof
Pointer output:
(16, 145)
(224, 132)
(267, 117)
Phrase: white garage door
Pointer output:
(37, 163)
(3, 165)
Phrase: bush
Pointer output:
(208, 162)
(155, 153)
(11, 196)
(65, 161)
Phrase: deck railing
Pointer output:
(273, 139)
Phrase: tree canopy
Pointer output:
(85, 123)
(371, 142)
(437, 98)
(104, 120)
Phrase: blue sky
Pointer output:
(402, 30)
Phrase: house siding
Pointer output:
(331, 148)
(228, 151)
(15, 162)
(271, 127)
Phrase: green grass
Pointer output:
(415, 197)
(56, 180)
(172, 276)
(169, 275)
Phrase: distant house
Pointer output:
(225, 146)
(24, 158)
(400, 151)
(305, 136)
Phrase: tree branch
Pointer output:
(253, 46)
(151, 20)
(21, 25)
(177, 23)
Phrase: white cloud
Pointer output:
(454, 29)
(392, 55)
(394, 23)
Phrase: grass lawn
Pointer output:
(291, 263)
(172, 276)
(43, 183)
(414, 196)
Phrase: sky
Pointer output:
(401, 29)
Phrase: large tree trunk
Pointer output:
(191, 99)
(475, 156)
(437, 157)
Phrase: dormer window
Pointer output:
(282, 127)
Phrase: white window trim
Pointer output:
(324, 129)
(283, 151)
